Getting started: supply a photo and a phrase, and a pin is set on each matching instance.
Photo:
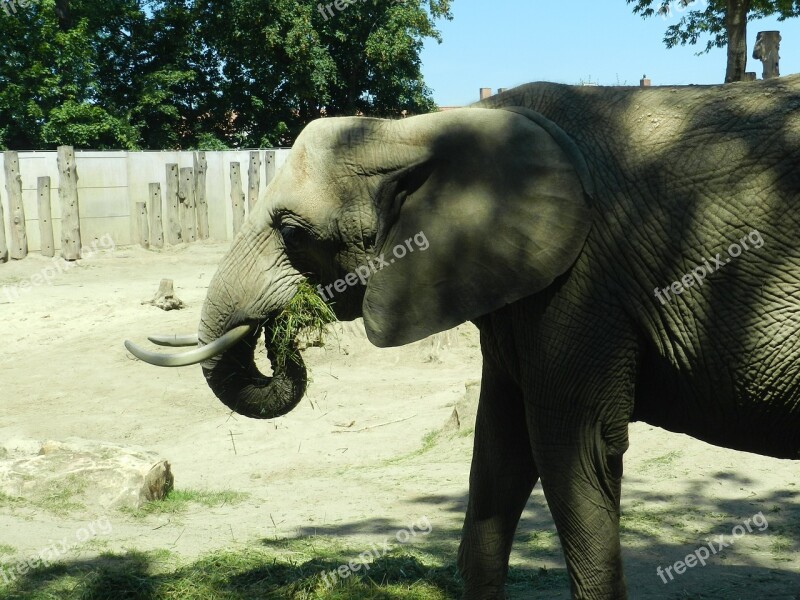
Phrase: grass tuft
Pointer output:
(401, 574)
(305, 313)
(178, 502)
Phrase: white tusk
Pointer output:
(191, 357)
(174, 341)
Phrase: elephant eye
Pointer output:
(290, 234)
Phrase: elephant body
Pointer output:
(627, 254)
(682, 174)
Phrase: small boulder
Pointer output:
(79, 473)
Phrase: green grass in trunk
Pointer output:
(305, 313)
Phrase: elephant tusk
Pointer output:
(191, 357)
(174, 341)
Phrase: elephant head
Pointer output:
(501, 196)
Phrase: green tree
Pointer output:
(285, 62)
(48, 81)
(204, 73)
(725, 21)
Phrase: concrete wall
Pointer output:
(111, 183)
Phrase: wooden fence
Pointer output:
(61, 201)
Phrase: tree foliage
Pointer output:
(204, 73)
(724, 22)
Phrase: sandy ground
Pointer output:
(64, 372)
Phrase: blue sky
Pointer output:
(503, 43)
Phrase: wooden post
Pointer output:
(3, 246)
(186, 199)
(253, 180)
(48, 245)
(237, 197)
(144, 230)
(201, 205)
(68, 194)
(766, 49)
(173, 217)
(270, 166)
(156, 224)
(19, 235)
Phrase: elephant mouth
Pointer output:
(230, 370)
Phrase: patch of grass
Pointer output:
(643, 521)
(429, 441)
(61, 498)
(781, 547)
(178, 502)
(466, 432)
(401, 574)
(9, 501)
(543, 543)
(306, 313)
(5, 550)
(659, 463)
(524, 581)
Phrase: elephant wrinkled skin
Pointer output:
(558, 219)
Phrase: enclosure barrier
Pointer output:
(146, 198)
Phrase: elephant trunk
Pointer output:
(252, 285)
(237, 382)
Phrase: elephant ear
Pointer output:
(495, 207)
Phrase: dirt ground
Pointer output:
(353, 460)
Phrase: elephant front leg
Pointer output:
(501, 480)
(581, 476)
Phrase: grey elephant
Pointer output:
(627, 254)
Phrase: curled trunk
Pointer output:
(237, 382)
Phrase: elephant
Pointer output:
(627, 254)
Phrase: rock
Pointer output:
(78, 473)
(157, 483)
(466, 409)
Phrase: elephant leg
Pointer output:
(581, 477)
(501, 479)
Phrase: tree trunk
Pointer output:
(736, 26)
(63, 15)
(71, 246)
(201, 206)
(19, 234)
(156, 223)
(186, 205)
(237, 197)
(253, 180)
(173, 215)
(47, 243)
